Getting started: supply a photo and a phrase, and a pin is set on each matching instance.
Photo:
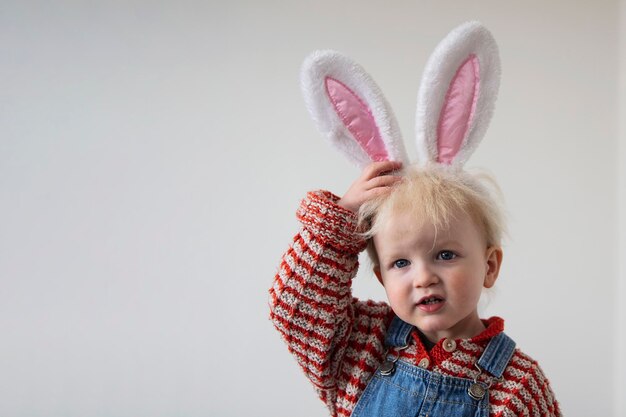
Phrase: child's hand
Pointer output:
(375, 181)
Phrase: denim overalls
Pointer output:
(399, 389)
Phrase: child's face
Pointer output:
(434, 279)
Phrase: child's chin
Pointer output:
(432, 326)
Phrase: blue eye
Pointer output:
(446, 255)
(401, 263)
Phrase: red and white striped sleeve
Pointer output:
(525, 391)
(310, 300)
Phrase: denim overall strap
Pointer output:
(497, 355)
(398, 333)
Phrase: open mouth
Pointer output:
(431, 304)
(430, 300)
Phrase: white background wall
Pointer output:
(620, 369)
(152, 155)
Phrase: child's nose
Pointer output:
(424, 276)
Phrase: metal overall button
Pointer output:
(478, 390)
(389, 365)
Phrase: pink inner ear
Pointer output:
(357, 117)
(457, 112)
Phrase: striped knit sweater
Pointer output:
(338, 339)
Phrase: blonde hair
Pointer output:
(434, 194)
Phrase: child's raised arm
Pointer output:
(311, 302)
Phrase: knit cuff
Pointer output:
(322, 216)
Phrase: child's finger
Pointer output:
(378, 192)
(382, 181)
(376, 169)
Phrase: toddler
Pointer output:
(434, 237)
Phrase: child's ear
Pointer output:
(494, 260)
(378, 274)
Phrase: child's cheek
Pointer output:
(399, 292)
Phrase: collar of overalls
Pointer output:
(494, 358)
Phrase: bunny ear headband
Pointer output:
(454, 104)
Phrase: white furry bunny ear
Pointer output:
(457, 95)
(349, 109)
